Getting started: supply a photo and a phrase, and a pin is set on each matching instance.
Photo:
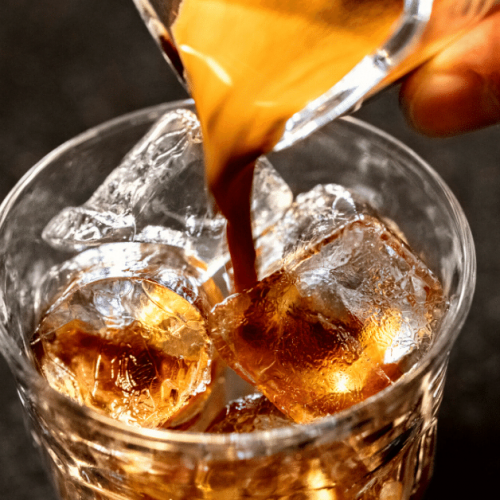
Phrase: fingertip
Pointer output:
(444, 104)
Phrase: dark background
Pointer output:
(67, 65)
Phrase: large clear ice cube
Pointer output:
(172, 145)
(349, 309)
(127, 333)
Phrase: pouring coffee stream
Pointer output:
(265, 73)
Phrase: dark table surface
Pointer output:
(68, 65)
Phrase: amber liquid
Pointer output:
(118, 366)
(252, 64)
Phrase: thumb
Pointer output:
(459, 89)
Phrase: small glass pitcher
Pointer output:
(423, 29)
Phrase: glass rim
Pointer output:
(339, 423)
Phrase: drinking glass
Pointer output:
(379, 449)
(424, 28)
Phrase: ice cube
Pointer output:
(351, 309)
(367, 270)
(248, 414)
(313, 216)
(172, 145)
(127, 334)
(158, 194)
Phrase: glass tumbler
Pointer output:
(379, 449)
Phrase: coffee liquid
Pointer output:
(252, 64)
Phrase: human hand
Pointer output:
(459, 89)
